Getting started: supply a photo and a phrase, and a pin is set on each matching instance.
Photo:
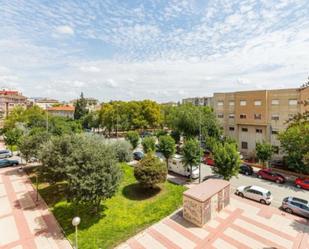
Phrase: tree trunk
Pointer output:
(166, 163)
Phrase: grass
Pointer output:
(131, 210)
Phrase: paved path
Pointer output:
(244, 224)
(23, 224)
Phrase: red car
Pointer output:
(302, 183)
(272, 176)
(209, 161)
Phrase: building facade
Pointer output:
(199, 101)
(45, 103)
(62, 111)
(8, 101)
(255, 116)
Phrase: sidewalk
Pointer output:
(23, 224)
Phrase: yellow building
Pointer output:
(253, 116)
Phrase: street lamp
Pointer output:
(75, 223)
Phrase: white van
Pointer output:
(176, 165)
(5, 154)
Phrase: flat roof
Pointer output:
(206, 190)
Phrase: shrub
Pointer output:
(133, 138)
(149, 144)
(123, 151)
(150, 171)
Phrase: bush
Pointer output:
(123, 151)
(160, 133)
(149, 144)
(133, 138)
(150, 171)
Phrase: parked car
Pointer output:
(5, 153)
(302, 183)
(7, 162)
(176, 165)
(277, 163)
(255, 193)
(209, 161)
(138, 155)
(294, 205)
(245, 169)
(272, 176)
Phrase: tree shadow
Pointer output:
(137, 192)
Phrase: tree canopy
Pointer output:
(264, 151)
(80, 107)
(149, 144)
(133, 138)
(191, 153)
(167, 147)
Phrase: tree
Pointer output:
(160, 133)
(133, 138)
(150, 171)
(30, 144)
(176, 136)
(87, 164)
(167, 147)
(80, 107)
(149, 144)
(264, 152)
(191, 154)
(227, 160)
(295, 143)
(12, 136)
(123, 151)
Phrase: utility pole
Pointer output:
(200, 140)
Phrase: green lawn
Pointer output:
(128, 212)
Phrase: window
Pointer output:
(243, 102)
(220, 103)
(244, 145)
(257, 102)
(231, 115)
(258, 130)
(275, 117)
(292, 102)
(220, 115)
(274, 132)
(257, 116)
(231, 103)
(275, 102)
(231, 128)
(244, 129)
(275, 149)
(243, 116)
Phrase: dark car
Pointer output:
(246, 169)
(6, 163)
(272, 176)
(138, 155)
(295, 205)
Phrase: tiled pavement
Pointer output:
(243, 224)
(23, 224)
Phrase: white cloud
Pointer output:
(111, 83)
(65, 29)
(92, 69)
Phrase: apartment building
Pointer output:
(199, 101)
(8, 101)
(62, 111)
(253, 116)
(45, 103)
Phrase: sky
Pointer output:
(152, 49)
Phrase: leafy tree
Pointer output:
(59, 126)
(167, 147)
(80, 107)
(227, 160)
(160, 133)
(295, 143)
(150, 171)
(30, 144)
(12, 137)
(133, 138)
(191, 153)
(90, 120)
(87, 164)
(264, 152)
(123, 151)
(176, 136)
(149, 144)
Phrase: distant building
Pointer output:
(45, 103)
(8, 101)
(199, 101)
(66, 111)
(255, 116)
(92, 104)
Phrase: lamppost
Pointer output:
(200, 145)
(75, 223)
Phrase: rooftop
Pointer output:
(62, 108)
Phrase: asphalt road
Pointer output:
(279, 191)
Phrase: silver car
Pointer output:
(294, 205)
(255, 193)
(5, 154)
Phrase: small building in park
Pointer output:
(203, 202)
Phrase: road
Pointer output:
(279, 191)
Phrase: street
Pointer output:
(279, 191)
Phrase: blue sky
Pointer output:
(157, 49)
